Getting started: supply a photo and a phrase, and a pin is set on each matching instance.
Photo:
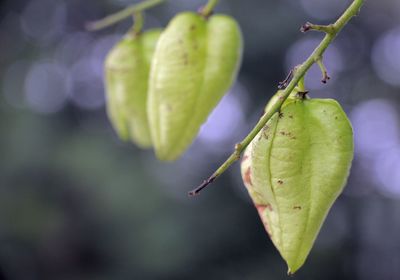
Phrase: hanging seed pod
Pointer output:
(127, 70)
(195, 63)
(294, 170)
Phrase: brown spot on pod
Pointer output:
(265, 132)
(245, 157)
(280, 182)
(262, 207)
(297, 207)
(247, 177)
(289, 134)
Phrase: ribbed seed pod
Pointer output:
(127, 69)
(195, 63)
(294, 170)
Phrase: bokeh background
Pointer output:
(77, 203)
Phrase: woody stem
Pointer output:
(209, 7)
(298, 74)
(138, 20)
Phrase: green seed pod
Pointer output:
(195, 63)
(127, 69)
(294, 170)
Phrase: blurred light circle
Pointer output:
(87, 74)
(354, 47)
(386, 57)
(87, 89)
(226, 120)
(99, 51)
(387, 172)
(44, 20)
(376, 127)
(302, 49)
(324, 10)
(73, 47)
(46, 87)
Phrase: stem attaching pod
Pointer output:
(295, 79)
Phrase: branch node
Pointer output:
(325, 76)
(205, 183)
(303, 94)
(286, 81)
(328, 29)
(305, 27)
(238, 148)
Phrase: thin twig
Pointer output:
(328, 29)
(325, 76)
(121, 15)
(286, 81)
(208, 9)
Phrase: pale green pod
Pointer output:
(195, 63)
(127, 69)
(294, 170)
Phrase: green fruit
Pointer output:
(195, 63)
(127, 69)
(294, 170)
